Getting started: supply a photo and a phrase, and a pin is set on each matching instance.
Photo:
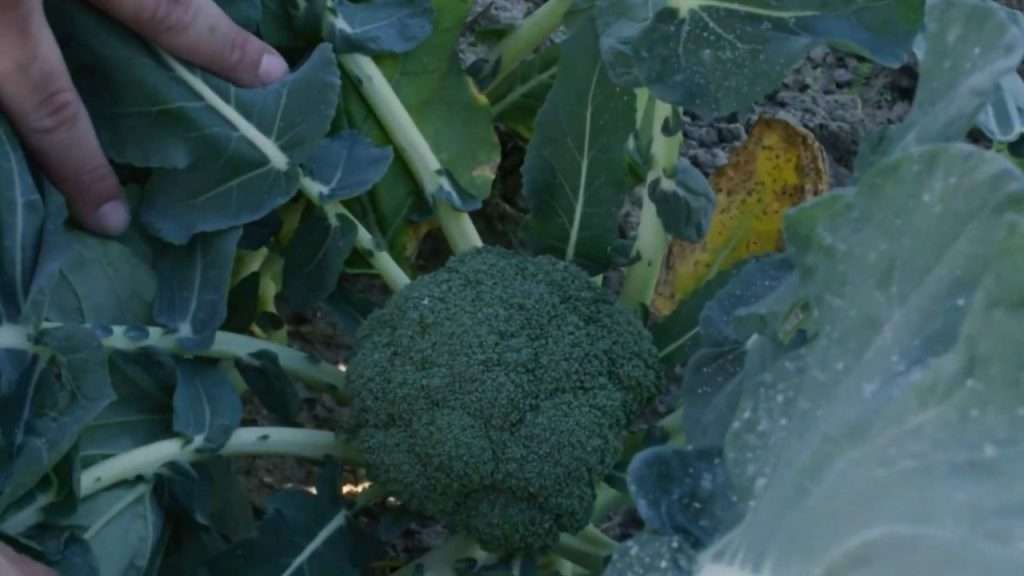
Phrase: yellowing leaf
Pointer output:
(778, 167)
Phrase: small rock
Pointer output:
(843, 77)
(731, 133)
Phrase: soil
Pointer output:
(837, 97)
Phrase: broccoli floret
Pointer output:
(493, 395)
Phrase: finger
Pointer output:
(200, 32)
(14, 564)
(38, 97)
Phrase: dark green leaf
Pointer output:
(684, 204)
(228, 155)
(517, 99)
(21, 221)
(301, 533)
(684, 492)
(207, 409)
(654, 555)
(193, 287)
(141, 414)
(347, 165)
(575, 172)
(271, 385)
(243, 304)
(380, 27)
(245, 13)
(293, 24)
(51, 404)
(256, 235)
(121, 526)
(120, 269)
(716, 58)
(954, 84)
(315, 258)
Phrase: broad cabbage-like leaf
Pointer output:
(972, 45)
(889, 443)
(718, 56)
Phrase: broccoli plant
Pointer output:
(847, 405)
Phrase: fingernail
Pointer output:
(272, 68)
(113, 218)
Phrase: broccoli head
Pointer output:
(493, 395)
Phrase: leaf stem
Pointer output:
(269, 441)
(380, 259)
(226, 346)
(441, 560)
(413, 146)
(534, 30)
(589, 549)
(652, 240)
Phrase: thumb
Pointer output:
(14, 564)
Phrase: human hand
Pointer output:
(37, 95)
(14, 564)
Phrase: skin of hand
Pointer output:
(14, 564)
(39, 99)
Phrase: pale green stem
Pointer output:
(380, 259)
(589, 549)
(608, 501)
(147, 460)
(226, 346)
(652, 240)
(440, 561)
(534, 30)
(413, 147)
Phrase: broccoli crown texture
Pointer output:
(493, 394)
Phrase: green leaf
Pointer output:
(243, 304)
(293, 24)
(228, 156)
(517, 99)
(954, 84)
(270, 384)
(300, 534)
(380, 27)
(207, 409)
(684, 208)
(245, 13)
(120, 269)
(684, 491)
(902, 411)
(575, 171)
(193, 287)
(122, 528)
(315, 258)
(454, 119)
(21, 220)
(347, 165)
(141, 414)
(717, 57)
(49, 405)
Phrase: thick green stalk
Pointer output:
(608, 501)
(534, 30)
(441, 560)
(413, 146)
(652, 240)
(147, 460)
(589, 549)
(380, 259)
(226, 346)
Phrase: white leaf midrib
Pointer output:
(326, 532)
(275, 155)
(581, 197)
